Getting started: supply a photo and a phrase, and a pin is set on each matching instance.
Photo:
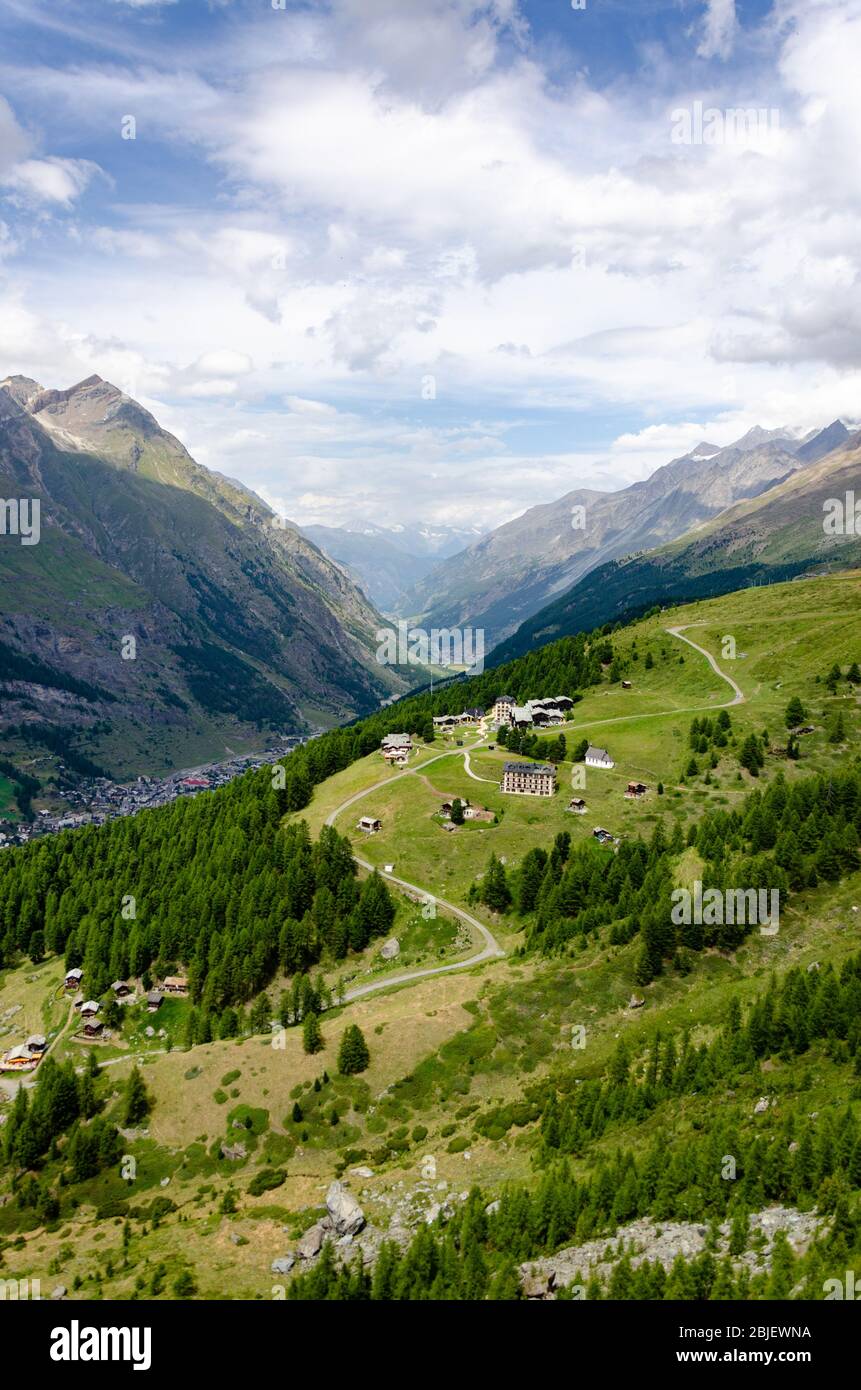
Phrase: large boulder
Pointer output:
(346, 1214)
(390, 950)
(311, 1243)
(283, 1265)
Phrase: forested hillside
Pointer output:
(780, 839)
(722, 1171)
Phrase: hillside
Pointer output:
(239, 623)
(558, 1117)
(775, 537)
(504, 578)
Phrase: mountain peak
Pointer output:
(22, 389)
(757, 435)
(703, 450)
(822, 442)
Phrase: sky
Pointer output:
(436, 260)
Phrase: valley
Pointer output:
(473, 1027)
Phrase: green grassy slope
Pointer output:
(465, 1066)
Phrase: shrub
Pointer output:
(265, 1180)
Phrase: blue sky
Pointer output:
(435, 259)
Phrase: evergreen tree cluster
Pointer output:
(217, 884)
(62, 1103)
(797, 1010)
(783, 838)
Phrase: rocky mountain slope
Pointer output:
(239, 622)
(776, 536)
(516, 570)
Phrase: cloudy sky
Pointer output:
(436, 259)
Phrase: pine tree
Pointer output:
(495, 891)
(312, 1036)
(353, 1054)
(136, 1100)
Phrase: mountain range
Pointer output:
(387, 561)
(784, 533)
(507, 576)
(239, 622)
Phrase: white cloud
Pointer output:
(14, 144)
(223, 363)
(720, 27)
(397, 200)
(50, 180)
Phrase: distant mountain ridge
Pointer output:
(386, 561)
(777, 536)
(239, 620)
(513, 572)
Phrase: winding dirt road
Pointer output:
(491, 949)
(738, 695)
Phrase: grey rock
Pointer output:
(311, 1243)
(362, 1172)
(59, 1292)
(343, 1208)
(761, 1106)
(390, 950)
(538, 1285)
(284, 1264)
